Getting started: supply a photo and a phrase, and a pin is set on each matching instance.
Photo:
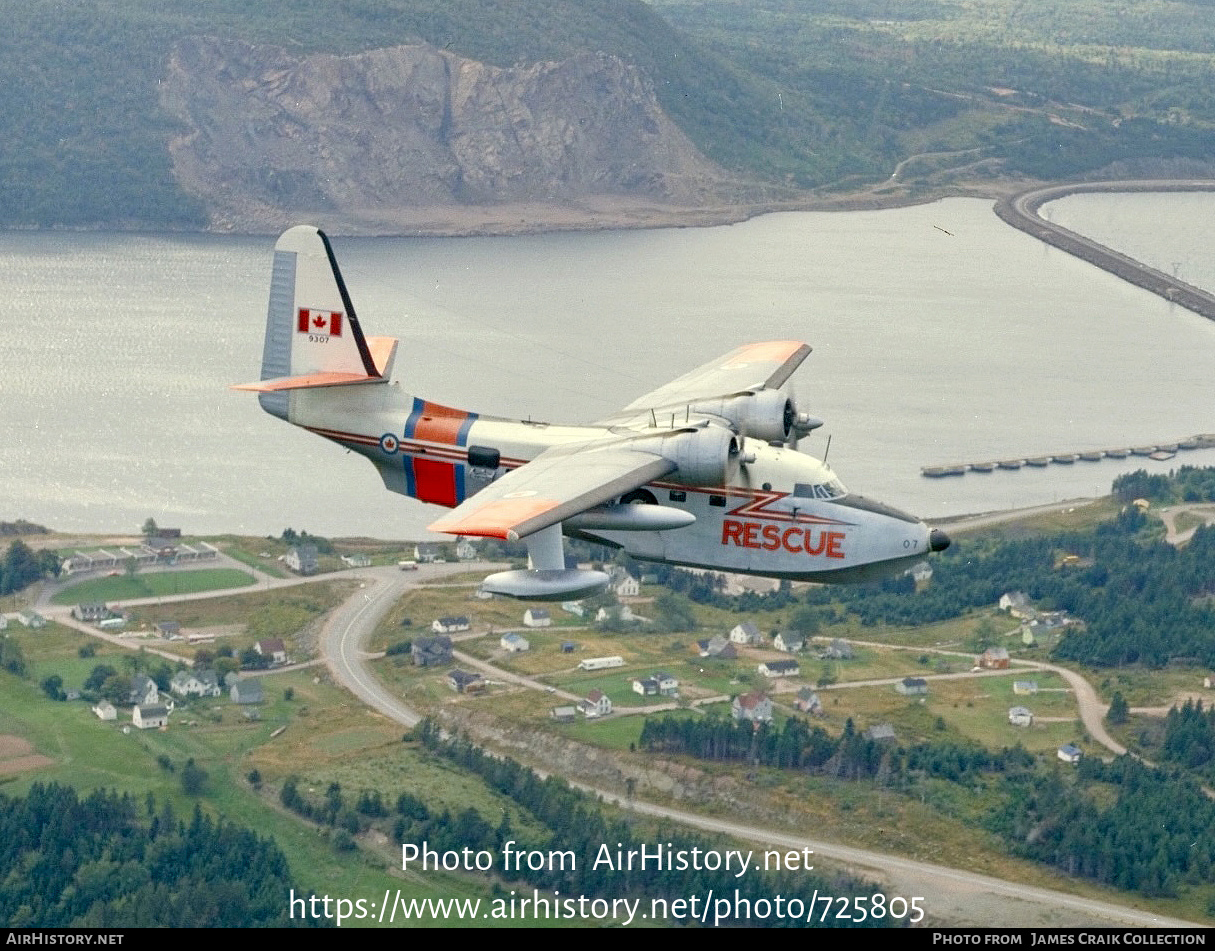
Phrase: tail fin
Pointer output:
(313, 337)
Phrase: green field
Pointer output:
(153, 584)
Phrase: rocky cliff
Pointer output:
(412, 138)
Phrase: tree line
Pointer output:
(796, 744)
(1141, 829)
(105, 861)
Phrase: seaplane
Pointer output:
(704, 472)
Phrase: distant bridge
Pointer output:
(1021, 211)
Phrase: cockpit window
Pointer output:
(832, 489)
(881, 508)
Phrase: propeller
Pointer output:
(797, 423)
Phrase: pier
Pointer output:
(1158, 451)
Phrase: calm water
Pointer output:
(939, 335)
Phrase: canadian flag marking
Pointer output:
(328, 322)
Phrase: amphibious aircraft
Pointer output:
(702, 472)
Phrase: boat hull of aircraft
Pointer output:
(701, 473)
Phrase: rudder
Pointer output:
(313, 337)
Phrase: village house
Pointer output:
(246, 690)
(537, 617)
(462, 681)
(779, 668)
(143, 691)
(746, 634)
(358, 560)
(994, 658)
(754, 706)
(660, 684)
(514, 643)
(1070, 753)
(717, 648)
(839, 650)
(1020, 716)
(596, 704)
(808, 702)
(428, 552)
(105, 710)
(1024, 688)
(465, 549)
(788, 642)
(303, 559)
(91, 612)
(912, 687)
(450, 625)
(1017, 604)
(431, 651)
(564, 714)
(624, 585)
(882, 732)
(273, 649)
(200, 683)
(150, 716)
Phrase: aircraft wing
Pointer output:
(559, 483)
(749, 368)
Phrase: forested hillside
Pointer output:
(908, 98)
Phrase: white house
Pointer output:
(465, 549)
(1070, 753)
(746, 633)
(537, 617)
(202, 683)
(514, 643)
(450, 625)
(143, 691)
(596, 704)
(105, 711)
(303, 559)
(1020, 716)
(273, 649)
(624, 585)
(1016, 603)
(755, 706)
(779, 668)
(150, 716)
(788, 642)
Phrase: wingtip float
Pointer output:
(721, 486)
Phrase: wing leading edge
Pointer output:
(559, 483)
(749, 368)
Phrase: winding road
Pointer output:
(951, 895)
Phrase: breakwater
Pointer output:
(1021, 211)
(1155, 451)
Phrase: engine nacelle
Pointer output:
(706, 456)
(768, 415)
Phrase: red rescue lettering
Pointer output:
(770, 538)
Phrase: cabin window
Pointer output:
(718, 500)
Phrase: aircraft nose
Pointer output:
(937, 540)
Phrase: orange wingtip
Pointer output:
(775, 350)
(306, 382)
(494, 519)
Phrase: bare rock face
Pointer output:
(382, 136)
